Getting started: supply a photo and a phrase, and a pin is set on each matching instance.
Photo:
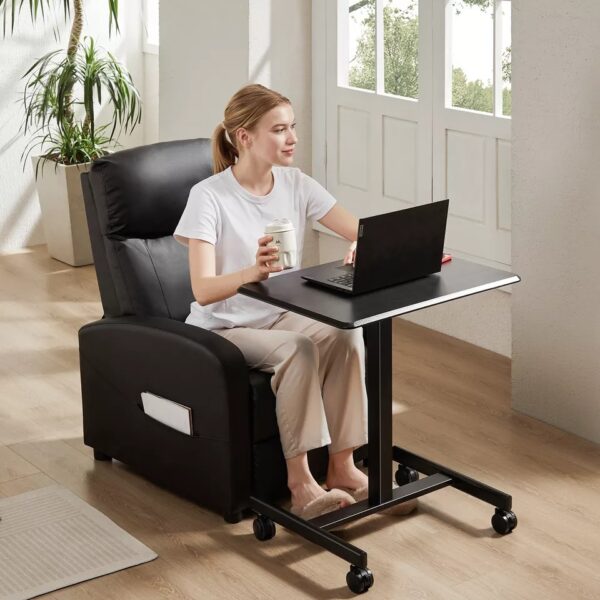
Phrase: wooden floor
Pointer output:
(451, 403)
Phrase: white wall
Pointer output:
(211, 49)
(150, 98)
(203, 61)
(556, 213)
(20, 220)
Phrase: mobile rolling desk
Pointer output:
(373, 311)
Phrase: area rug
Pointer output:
(50, 538)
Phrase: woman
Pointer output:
(318, 370)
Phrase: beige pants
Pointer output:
(318, 380)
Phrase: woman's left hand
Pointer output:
(351, 255)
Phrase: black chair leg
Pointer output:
(234, 517)
(100, 455)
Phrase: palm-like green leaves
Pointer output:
(113, 13)
(61, 97)
(64, 88)
(10, 9)
(70, 146)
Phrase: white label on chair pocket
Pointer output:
(172, 414)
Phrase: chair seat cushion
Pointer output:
(262, 399)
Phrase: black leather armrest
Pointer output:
(184, 363)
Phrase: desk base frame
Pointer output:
(378, 343)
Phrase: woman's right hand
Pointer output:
(264, 256)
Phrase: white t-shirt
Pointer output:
(221, 211)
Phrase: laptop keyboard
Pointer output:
(346, 280)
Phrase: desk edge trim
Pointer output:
(441, 300)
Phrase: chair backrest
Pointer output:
(133, 202)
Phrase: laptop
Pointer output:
(391, 248)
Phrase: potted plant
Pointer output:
(63, 91)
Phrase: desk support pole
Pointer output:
(378, 345)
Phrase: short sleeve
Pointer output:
(200, 219)
(318, 200)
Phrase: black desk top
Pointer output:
(457, 279)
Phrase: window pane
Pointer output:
(401, 47)
(473, 54)
(505, 12)
(361, 44)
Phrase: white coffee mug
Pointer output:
(284, 237)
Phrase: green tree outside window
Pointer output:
(401, 41)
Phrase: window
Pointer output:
(478, 32)
(478, 50)
(401, 48)
(361, 67)
(390, 67)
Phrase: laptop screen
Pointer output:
(400, 245)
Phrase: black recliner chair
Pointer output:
(133, 201)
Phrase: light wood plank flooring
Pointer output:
(451, 403)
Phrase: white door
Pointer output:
(395, 132)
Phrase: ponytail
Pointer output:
(224, 153)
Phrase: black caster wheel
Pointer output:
(100, 455)
(264, 528)
(504, 521)
(359, 580)
(405, 475)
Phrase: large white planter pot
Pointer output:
(63, 212)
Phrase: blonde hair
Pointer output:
(244, 109)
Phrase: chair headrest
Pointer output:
(143, 191)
